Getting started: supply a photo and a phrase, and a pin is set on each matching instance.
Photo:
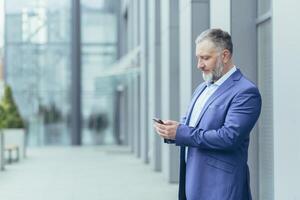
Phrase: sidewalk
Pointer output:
(83, 173)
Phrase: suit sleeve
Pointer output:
(240, 119)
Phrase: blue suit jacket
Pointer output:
(216, 167)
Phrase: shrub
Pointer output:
(9, 113)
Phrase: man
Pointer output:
(214, 134)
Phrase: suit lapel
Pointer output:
(194, 99)
(222, 89)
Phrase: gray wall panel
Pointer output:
(144, 80)
(154, 83)
(170, 81)
(243, 32)
(194, 18)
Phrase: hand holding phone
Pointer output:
(168, 141)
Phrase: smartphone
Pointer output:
(158, 120)
(168, 141)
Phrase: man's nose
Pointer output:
(200, 64)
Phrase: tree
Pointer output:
(9, 113)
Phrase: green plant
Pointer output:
(9, 113)
(1, 116)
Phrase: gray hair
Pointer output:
(221, 39)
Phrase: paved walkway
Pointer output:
(83, 173)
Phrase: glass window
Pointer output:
(38, 66)
(99, 52)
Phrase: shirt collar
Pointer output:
(225, 76)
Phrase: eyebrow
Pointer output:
(203, 56)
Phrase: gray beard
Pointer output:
(207, 77)
(216, 74)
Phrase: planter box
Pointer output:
(2, 161)
(15, 137)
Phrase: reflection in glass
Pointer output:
(99, 52)
(37, 63)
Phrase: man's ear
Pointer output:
(226, 56)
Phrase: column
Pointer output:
(144, 80)
(243, 17)
(170, 81)
(76, 75)
(154, 80)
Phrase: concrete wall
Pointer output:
(286, 97)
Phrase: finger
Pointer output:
(168, 122)
(164, 136)
(162, 131)
(156, 126)
(161, 134)
(161, 126)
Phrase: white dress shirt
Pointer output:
(204, 96)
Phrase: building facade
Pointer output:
(265, 49)
(155, 73)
